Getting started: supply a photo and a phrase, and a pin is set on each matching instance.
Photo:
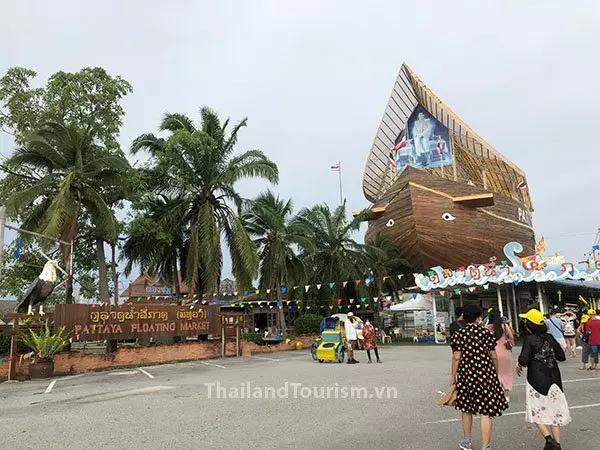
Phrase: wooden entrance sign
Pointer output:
(94, 322)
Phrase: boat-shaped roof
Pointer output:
(480, 163)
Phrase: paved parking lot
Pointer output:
(281, 400)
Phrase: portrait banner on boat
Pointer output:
(425, 142)
(95, 322)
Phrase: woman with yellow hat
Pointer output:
(584, 335)
(546, 402)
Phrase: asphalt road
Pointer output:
(176, 407)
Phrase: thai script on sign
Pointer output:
(132, 314)
(158, 290)
(189, 315)
(512, 270)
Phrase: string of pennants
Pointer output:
(368, 281)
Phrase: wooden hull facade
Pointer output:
(432, 223)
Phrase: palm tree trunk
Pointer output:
(102, 272)
(69, 234)
(111, 345)
(115, 274)
(281, 312)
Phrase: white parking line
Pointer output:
(214, 365)
(149, 375)
(265, 358)
(515, 413)
(127, 372)
(50, 386)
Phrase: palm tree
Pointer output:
(334, 254)
(197, 165)
(269, 221)
(276, 234)
(65, 174)
(384, 261)
(156, 239)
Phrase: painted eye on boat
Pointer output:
(390, 223)
(448, 217)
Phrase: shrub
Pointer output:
(308, 324)
(252, 337)
(4, 344)
(45, 344)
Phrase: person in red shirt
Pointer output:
(593, 328)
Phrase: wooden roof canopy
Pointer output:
(477, 162)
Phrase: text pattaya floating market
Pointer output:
(512, 270)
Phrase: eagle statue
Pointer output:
(40, 289)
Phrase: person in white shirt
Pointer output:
(351, 337)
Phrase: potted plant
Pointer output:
(44, 346)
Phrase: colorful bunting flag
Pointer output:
(344, 284)
(268, 291)
(306, 288)
(318, 286)
(331, 285)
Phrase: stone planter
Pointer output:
(41, 369)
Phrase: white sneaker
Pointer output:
(465, 445)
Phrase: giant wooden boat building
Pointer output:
(438, 189)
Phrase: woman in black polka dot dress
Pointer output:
(474, 373)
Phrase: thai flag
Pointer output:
(439, 148)
(335, 167)
(522, 186)
(400, 142)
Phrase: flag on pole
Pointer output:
(522, 186)
(439, 148)
(400, 141)
(392, 159)
(335, 167)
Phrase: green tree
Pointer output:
(269, 221)
(156, 238)
(276, 235)
(197, 165)
(334, 255)
(88, 98)
(65, 173)
(86, 104)
(384, 263)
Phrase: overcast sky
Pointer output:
(313, 77)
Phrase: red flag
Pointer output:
(400, 143)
